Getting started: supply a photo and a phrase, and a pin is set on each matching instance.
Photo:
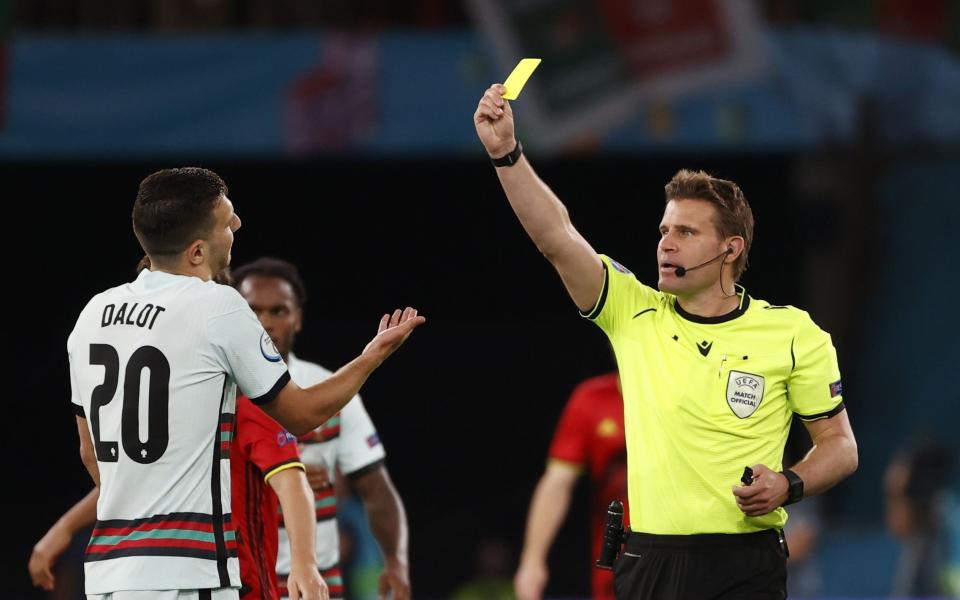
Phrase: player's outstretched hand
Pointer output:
(494, 122)
(305, 583)
(44, 555)
(393, 332)
(768, 491)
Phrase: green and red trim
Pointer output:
(174, 534)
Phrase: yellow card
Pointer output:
(517, 79)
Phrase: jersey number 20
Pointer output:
(158, 403)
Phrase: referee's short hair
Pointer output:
(734, 216)
(273, 267)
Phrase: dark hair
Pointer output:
(734, 216)
(175, 207)
(273, 267)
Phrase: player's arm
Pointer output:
(541, 213)
(299, 516)
(388, 523)
(301, 410)
(548, 509)
(58, 537)
(87, 453)
(832, 459)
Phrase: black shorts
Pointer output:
(711, 566)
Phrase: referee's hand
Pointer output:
(493, 120)
(768, 491)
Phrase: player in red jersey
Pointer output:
(266, 473)
(588, 437)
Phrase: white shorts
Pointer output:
(220, 594)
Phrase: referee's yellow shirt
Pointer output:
(706, 397)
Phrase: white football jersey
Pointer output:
(154, 367)
(348, 440)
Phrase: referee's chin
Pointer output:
(670, 284)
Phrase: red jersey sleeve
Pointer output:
(267, 444)
(571, 441)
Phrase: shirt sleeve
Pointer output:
(622, 297)
(571, 440)
(75, 402)
(247, 353)
(814, 389)
(269, 446)
(360, 449)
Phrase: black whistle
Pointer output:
(612, 536)
(747, 477)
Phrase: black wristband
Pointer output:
(795, 489)
(508, 160)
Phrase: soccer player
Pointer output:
(155, 365)
(261, 452)
(589, 436)
(275, 291)
(711, 380)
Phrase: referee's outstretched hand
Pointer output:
(768, 491)
(494, 122)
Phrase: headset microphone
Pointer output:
(681, 271)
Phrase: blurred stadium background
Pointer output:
(343, 128)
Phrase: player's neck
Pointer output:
(711, 302)
(183, 268)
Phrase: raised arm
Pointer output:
(541, 213)
(301, 410)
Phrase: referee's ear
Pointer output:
(735, 246)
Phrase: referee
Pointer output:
(711, 379)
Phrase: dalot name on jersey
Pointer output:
(141, 316)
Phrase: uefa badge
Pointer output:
(268, 348)
(744, 393)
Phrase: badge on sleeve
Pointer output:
(836, 388)
(268, 348)
(744, 393)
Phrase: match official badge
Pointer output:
(744, 393)
(620, 267)
(268, 348)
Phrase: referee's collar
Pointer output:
(733, 314)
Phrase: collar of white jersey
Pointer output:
(151, 280)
